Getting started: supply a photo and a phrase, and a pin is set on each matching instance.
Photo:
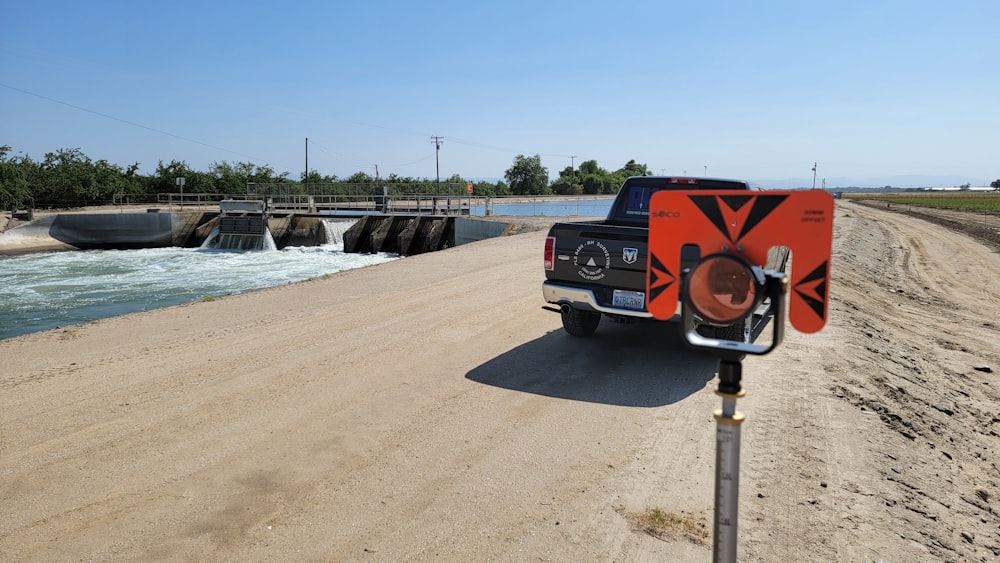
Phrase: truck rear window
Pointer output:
(638, 200)
(632, 204)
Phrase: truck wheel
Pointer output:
(580, 323)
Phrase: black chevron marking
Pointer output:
(818, 273)
(762, 207)
(735, 202)
(709, 206)
(656, 271)
(815, 304)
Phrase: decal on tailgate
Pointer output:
(592, 259)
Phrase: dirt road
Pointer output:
(429, 409)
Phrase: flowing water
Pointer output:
(53, 289)
(228, 241)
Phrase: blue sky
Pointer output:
(756, 90)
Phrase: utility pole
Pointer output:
(437, 164)
(306, 177)
(572, 163)
(814, 175)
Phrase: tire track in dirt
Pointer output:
(921, 304)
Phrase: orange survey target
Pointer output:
(746, 225)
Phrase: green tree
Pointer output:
(489, 189)
(527, 176)
(631, 168)
(394, 178)
(593, 179)
(360, 178)
(111, 182)
(233, 178)
(568, 182)
(15, 175)
(591, 167)
(560, 187)
(165, 179)
(313, 177)
(66, 177)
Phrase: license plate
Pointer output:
(635, 300)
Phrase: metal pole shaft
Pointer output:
(727, 464)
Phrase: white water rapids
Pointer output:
(47, 290)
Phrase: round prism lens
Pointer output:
(722, 290)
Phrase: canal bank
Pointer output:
(398, 234)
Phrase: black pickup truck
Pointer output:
(598, 268)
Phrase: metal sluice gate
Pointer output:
(242, 224)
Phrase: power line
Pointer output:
(504, 149)
(436, 139)
(125, 121)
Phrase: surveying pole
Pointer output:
(728, 423)
(723, 289)
(708, 249)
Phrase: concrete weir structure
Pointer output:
(87, 231)
(416, 234)
(398, 234)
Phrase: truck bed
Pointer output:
(598, 268)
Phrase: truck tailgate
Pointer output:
(603, 258)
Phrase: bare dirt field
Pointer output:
(429, 410)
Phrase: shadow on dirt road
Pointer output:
(636, 365)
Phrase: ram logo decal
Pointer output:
(630, 255)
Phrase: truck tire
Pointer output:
(580, 323)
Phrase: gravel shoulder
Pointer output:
(429, 409)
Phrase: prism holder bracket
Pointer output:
(722, 290)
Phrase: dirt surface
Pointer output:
(984, 227)
(429, 410)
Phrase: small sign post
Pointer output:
(180, 184)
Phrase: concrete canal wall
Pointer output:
(400, 234)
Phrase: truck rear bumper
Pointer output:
(584, 300)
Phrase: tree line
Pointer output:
(527, 176)
(69, 178)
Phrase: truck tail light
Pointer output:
(550, 253)
(685, 181)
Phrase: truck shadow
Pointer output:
(636, 365)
